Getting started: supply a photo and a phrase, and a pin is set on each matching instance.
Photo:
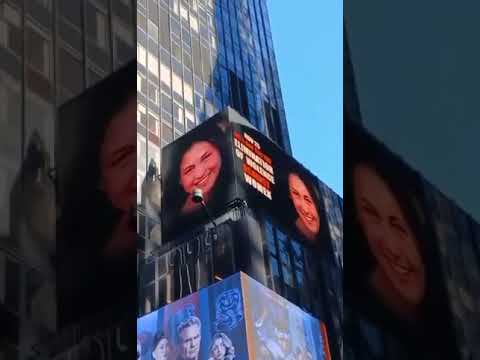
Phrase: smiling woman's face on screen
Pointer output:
(200, 167)
(389, 235)
(118, 158)
(308, 222)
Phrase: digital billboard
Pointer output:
(236, 318)
(392, 275)
(228, 159)
(278, 329)
(270, 179)
(208, 324)
(459, 246)
(96, 177)
(201, 159)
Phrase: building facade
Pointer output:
(245, 237)
(197, 57)
(50, 51)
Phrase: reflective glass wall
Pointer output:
(50, 51)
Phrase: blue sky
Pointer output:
(309, 50)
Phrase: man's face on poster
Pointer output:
(308, 222)
(283, 340)
(189, 346)
(118, 158)
(200, 167)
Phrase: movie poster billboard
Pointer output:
(228, 159)
(208, 324)
(236, 318)
(278, 329)
(96, 178)
(392, 276)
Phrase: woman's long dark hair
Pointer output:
(87, 213)
(174, 196)
(287, 211)
(406, 186)
(87, 216)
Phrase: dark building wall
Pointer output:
(50, 51)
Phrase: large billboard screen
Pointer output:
(236, 318)
(278, 329)
(202, 159)
(393, 274)
(208, 324)
(270, 179)
(96, 173)
(228, 159)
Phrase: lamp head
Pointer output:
(197, 196)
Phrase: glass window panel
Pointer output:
(167, 104)
(176, 51)
(153, 30)
(188, 93)
(184, 12)
(177, 112)
(189, 116)
(167, 133)
(164, 30)
(153, 93)
(177, 83)
(38, 52)
(287, 276)
(153, 64)
(165, 74)
(297, 251)
(275, 275)
(141, 55)
(70, 72)
(194, 23)
(141, 84)
(283, 247)
(141, 114)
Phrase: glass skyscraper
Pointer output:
(196, 57)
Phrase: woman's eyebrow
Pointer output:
(121, 153)
(188, 167)
(205, 155)
(397, 221)
(366, 203)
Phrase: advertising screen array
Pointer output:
(394, 275)
(227, 159)
(236, 318)
(96, 173)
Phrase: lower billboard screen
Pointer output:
(208, 324)
(279, 329)
(237, 318)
